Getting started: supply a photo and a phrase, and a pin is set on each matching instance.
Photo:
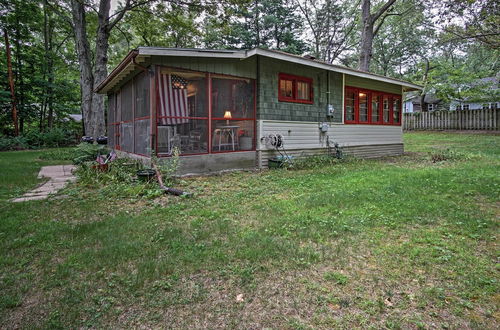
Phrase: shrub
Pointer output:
(119, 171)
(168, 166)
(85, 152)
(13, 143)
(56, 137)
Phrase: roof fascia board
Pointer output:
(189, 53)
(330, 67)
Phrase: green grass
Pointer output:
(396, 243)
(19, 170)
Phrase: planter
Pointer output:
(146, 174)
(245, 143)
(101, 167)
(102, 140)
(279, 161)
(87, 139)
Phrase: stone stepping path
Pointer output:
(59, 176)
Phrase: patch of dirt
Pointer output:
(30, 312)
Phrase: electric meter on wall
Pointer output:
(329, 110)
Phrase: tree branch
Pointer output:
(382, 10)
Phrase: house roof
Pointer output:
(140, 55)
(428, 98)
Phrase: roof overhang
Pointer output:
(132, 62)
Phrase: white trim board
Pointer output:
(243, 54)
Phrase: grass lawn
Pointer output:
(401, 242)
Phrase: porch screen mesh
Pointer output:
(127, 137)
(142, 144)
(126, 94)
(111, 120)
(141, 84)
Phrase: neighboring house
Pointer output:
(487, 102)
(412, 103)
(226, 109)
(76, 117)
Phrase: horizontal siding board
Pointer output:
(306, 135)
(372, 84)
(371, 151)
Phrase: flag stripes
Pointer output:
(173, 99)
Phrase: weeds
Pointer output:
(318, 161)
(451, 155)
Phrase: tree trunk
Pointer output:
(49, 63)
(11, 83)
(101, 62)
(85, 63)
(368, 31)
(19, 74)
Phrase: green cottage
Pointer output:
(226, 109)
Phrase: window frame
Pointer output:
(371, 94)
(295, 79)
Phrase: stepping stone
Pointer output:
(59, 176)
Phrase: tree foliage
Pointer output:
(447, 46)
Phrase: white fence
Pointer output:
(486, 119)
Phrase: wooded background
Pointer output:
(60, 50)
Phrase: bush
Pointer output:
(56, 137)
(168, 166)
(13, 143)
(85, 152)
(119, 171)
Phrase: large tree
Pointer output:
(93, 66)
(330, 26)
(370, 25)
(270, 24)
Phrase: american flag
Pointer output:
(173, 99)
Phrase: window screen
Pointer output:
(141, 84)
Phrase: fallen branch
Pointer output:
(166, 189)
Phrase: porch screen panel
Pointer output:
(126, 104)
(233, 114)
(127, 118)
(142, 137)
(142, 95)
(111, 120)
(182, 112)
(127, 136)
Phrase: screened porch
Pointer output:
(193, 112)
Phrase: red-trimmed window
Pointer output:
(376, 116)
(295, 89)
(363, 106)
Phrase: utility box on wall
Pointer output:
(329, 110)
